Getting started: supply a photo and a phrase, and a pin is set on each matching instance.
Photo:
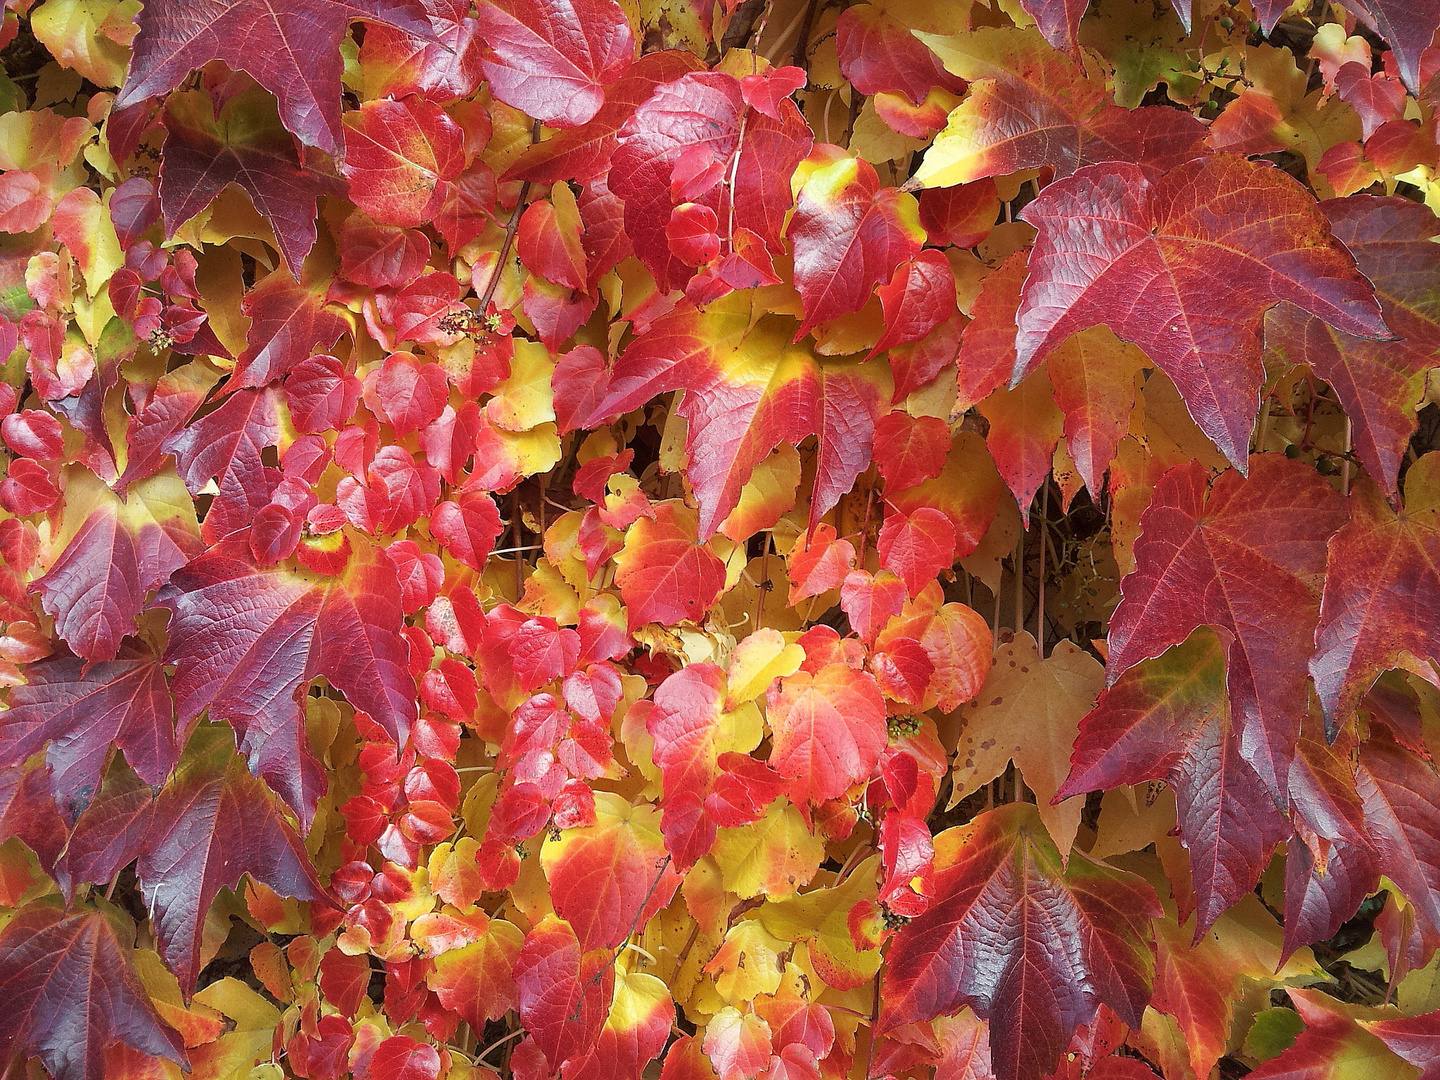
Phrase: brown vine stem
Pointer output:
(802, 46)
(511, 228)
(1040, 603)
(1020, 583)
(1345, 463)
(497, 1044)
(874, 1020)
(615, 956)
(515, 526)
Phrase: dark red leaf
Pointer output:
(291, 49)
(1032, 946)
(70, 991)
(213, 823)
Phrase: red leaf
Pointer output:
(399, 158)
(548, 240)
(246, 643)
(553, 59)
(1058, 20)
(564, 997)
(1169, 719)
(962, 215)
(610, 878)
(916, 300)
(396, 63)
(202, 154)
(1231, 561)
(402, 1058)
(878, 54)
(227, 447)
(1414, 1038)
(1380, 383)
(701, 125)
(1031, 946)
(467, 526)
(408, 392)
(119, 553)
(850, 235)
(829, 730)
(917, 546)
(293, 51)
(1400, 793)
(744, 396)
(380, 256)
(213, 823)
(288, 321)
(1408, 28)
(664, 576)
(1381, 573)
(1030, 106)
(70, 992)
(580, 153)
(79, 709)
(1151, 251)
(910, 449)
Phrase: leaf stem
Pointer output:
(802, 46)
(874, 1021)
(497, 1044)
(1040, 604)
(511, 228)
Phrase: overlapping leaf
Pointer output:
(1141, 255)
(1031, 946)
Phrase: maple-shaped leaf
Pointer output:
(850, 234)
(1150, 250)
(245, 146)
(1400, 794)
(1091, 381)
(288, 324)
(746, 391)
(1034, 946)
(110, 833)
(701, 127)
(1414, 1038)
(115, 554)
(70, 991)
(246, 642)
(1169, 719)
(1408, 27)
(1030, 106)
(213, 823)
(79, 709)
(829, 731)
(291, 48)
(1028, 712)
(1232, 559)
(1333, 1045)
(1200, 982)
(1382, 580)
(553, 59)
(226, 447)
(609, 878)
(581, 153)
(1380, 383)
